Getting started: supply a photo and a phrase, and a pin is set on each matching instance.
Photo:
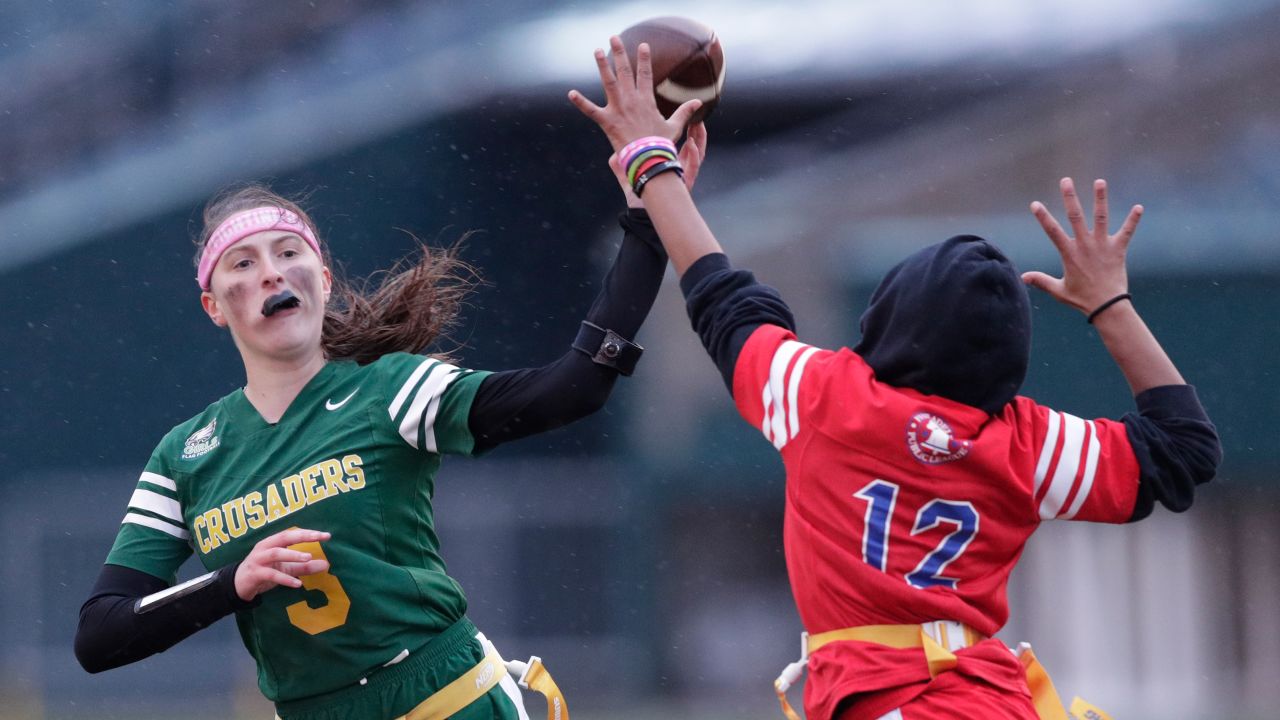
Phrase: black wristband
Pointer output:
(654, 172)
(1107, 304)
(606, 347)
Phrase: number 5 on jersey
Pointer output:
(333, 613)
(881, 496)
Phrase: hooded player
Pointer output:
(915, 473)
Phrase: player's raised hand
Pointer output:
(272, 563)
(692, 153)
(630, 111)
(1093, 262)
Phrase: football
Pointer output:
(687, 60)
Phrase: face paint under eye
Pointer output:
(235, 294)
(303, 279)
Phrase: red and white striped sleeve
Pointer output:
(1084, 469)
(766, 383)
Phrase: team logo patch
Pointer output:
(201, 441)
(930, 440)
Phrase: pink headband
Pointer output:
(242, 225)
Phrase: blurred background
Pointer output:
(639, 551)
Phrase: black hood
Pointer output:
(953, 319)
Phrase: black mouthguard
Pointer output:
(280, 301)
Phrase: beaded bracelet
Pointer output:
(654, 172)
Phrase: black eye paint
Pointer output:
(303, 279)
(235, 292)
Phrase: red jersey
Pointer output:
(905, 508)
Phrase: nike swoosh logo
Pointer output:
(331, 405)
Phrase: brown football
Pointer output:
(687, 59)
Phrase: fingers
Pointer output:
(1042, 281)
(257, 575)
(694, 148)
(585, 106)
(1130, 225)
(680, 118)
(311, 567)
(275, 555)
(691, 159)
(621, 64)
(698, 136)
(1051, 227)
(644, 70)
(690, 154)
(277, 577)
(1100, 208)
(1075, 211)
(292, 536)
(278, 559)
(607, 77)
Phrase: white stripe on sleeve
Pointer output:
(766, 402)
(408, 387)
(1046, 453)
(793, 390)
(437, 380)
(777, 390)
(156, 503)
(1090, 471)
(157, 524)
(429, 422)
(160, 480)
(1068, 466)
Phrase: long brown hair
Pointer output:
(406, 308)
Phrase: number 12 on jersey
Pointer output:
(881, 497)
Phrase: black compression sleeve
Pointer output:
(517, 403)
(111, 633)
(726, 305)
(1176, 445)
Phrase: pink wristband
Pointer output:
(635, 147)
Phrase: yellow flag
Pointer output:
(1081, 710)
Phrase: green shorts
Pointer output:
(394, 691)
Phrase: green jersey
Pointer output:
(355, 454)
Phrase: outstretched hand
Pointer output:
(630, 110)
(1093, 262)
(272, 562)
(692, 153)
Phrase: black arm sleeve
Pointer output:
(112, 634)
(517, 403)
(1176, 445)
(726, 305)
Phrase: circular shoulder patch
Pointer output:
(930, 440)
